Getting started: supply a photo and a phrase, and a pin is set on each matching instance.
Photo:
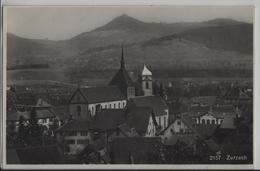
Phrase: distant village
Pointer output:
(127, 121)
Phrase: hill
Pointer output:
(216, 43)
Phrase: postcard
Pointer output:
(134, 86)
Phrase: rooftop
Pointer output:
(157, 104)
(146, 71)
(138, 118)
(101, 94)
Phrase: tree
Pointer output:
(34, 128)
(22, 132)
(161, 91)
(156, 89)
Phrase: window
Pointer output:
(70, 141)
(84, 133)
(110, 105)
(146, 85)
(203, 121)
(164, 121)
(213, 122)
(208, 121)
(86, 141)
(178, 122)
(79, 110)
(114, 105)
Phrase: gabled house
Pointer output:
(208, 118)
(159, 108)
(186, 129)
(76, 134)
(86, 101)
(142, 120)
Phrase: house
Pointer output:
(45, 117)
(142, 120)
(77, 134)
(159, 108)
(74, 136)
(123, 81)
(135, 150)
(226, 110)
(86, 101)
(185, 128)
(208, 118)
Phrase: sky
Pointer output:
(60, 23)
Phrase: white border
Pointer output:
(152, 2)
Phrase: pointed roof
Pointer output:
(122, 58)
(146, 71)
(122, 78)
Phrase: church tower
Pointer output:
(147, 85)
(123, 80)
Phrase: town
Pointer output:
(130, 121)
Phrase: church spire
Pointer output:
(122, 58)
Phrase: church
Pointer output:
(121, 93)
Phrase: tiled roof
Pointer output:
(59, 99)
(209, 100)
(174, 108)
(157, 104)
(138, 118)
(198, 110)
(26, 99)
(202, 130)
(223, 109)
(102, 94)
(215, 115)
(40, 114)
(75, 125)
(122, 79)
(108, 119)
(228, 123)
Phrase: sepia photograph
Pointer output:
(109, 85)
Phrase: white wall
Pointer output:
(76, 147)
(107, 105)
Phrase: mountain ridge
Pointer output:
(97, 48)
